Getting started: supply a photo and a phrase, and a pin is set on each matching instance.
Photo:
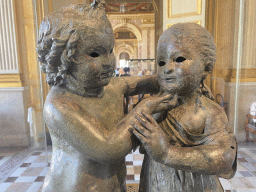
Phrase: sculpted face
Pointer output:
(94, 55)
(180, 67)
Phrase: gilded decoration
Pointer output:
(172, 16)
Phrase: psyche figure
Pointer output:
(187, 147)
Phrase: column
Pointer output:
(8, 45)
(152, 43)
(144, 43)
(135, 51)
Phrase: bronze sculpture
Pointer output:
(84, 108)
(191, 144)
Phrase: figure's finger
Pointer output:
(164, 98)
(139, 136)
(146, 124)
(142, 130)
(149, 118)
(174, 100)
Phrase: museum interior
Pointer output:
(25, 142)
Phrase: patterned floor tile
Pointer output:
(44, 172)
(138, 157)
(238, 183)
(36, 153)
(34, 187)
(246, 174)
(5, 186)
(137, 177)
(40, 179)
(129, 177)
(26, 179)
(129, 163)
(43, 159)
(4, 159)
(225, 183)
(31, 159)
(25, 164)
(38, 164)
(130, 170)
(18, 172)
(248, 166)
(252, 180)
(32, 171)
(10, 179)
(129, 157)
(19, 187)
(137, 169)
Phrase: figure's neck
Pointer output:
(73, 86)
(189, 98)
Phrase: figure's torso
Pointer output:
(188, 122)
(72, 170)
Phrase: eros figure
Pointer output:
(191, 144)
(84, 108)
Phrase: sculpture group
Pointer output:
(184, 134)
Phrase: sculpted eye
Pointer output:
(111, 51)
(180, 59)
(94, 54)
(161, 63)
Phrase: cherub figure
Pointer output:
(191, 144)
(84, 108)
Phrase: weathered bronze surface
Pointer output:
(190, 144)
(84, 108)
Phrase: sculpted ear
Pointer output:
(208, 68)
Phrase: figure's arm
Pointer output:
(70, 123)
(138, 84)
(215, 157)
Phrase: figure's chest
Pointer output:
(194, 121)
(108, 110)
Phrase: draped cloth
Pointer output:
(157, 177)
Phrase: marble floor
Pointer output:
(24, 170)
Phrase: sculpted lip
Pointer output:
(169, 79)
(105, 74)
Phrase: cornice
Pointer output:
(131, 16)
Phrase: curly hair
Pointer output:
(58, 37)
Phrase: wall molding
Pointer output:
(10, 80)
(246, 75)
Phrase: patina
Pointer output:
(191, 144)
(84, 108)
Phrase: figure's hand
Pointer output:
(158, 104)
(152, 137)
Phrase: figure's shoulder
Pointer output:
(59, 100)
(215, 112)
(210, 105)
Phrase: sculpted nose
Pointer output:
(108, 62)
(169, 68)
